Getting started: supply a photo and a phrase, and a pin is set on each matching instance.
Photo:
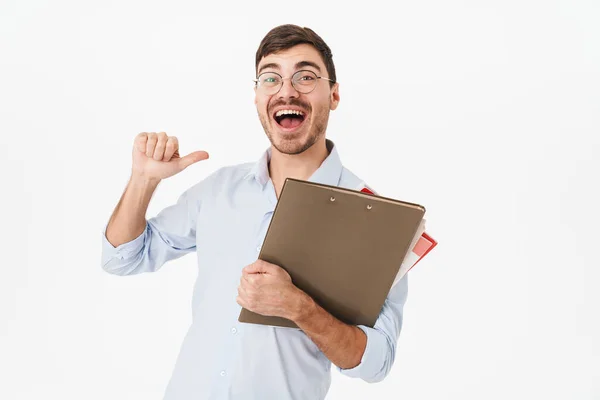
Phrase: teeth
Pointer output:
(283, 112)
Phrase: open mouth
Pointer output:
(289, 119)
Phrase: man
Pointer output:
(224, 219)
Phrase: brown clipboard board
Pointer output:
(340, 246)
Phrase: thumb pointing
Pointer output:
(192, 158)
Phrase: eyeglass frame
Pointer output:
(291, 78)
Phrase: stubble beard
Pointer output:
(297, 144)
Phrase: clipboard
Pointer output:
(340, 246)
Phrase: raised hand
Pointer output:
(156, 156)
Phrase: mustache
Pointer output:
(292, 102)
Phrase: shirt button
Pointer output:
(258, 248)
(233, 330)
(223, 373)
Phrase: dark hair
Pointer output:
(284, 37)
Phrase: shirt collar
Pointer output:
(328, 173)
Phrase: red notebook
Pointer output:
(420, 247)
(423, 244)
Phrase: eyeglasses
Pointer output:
(304, 81)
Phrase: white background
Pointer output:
(486, 112)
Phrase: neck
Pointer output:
(297, 166)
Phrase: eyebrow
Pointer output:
(300, 64)
(303, 64)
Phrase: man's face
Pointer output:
(293, 133)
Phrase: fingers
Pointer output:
(252, 268)
(161, 145)
(171, 147)
(260, 266)
(242, 292)
(246, 281)
(157, 146)
(150, 144)
(240, 300)
(140, 142)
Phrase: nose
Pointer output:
(287, 90)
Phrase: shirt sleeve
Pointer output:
(167, 236)
(380, 352)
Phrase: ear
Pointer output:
(255, 96)
(334, 98)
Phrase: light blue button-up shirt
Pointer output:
(224, 220)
